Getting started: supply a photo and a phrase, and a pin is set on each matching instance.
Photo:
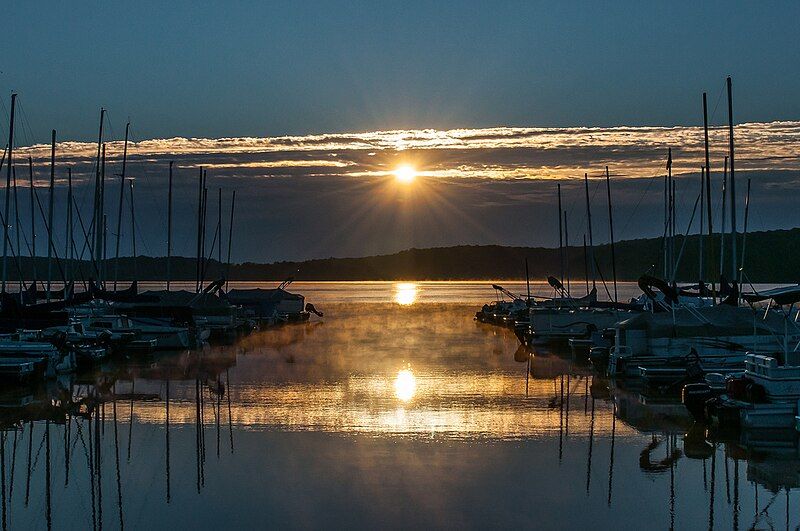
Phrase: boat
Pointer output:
(138, 335)
(717, 336)
(767, 394)
(46, 358)
(273, 306)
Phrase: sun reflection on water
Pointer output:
(405, 293)
(405, 385)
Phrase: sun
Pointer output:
(405, 174)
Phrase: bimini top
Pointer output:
(709, 321)
(260, 296)
(787, 295)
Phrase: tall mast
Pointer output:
(591, 240)
(560, 237)
(708, 167)
(230, 239)
(709, 213)
(68, 251)
(734, 258)
(203, 234)
(722, 232)
(670, 218)
(105, 245)
(219, 228)
(673, 224)
(566, 250)
(744, 236)
(121, 197)
(169, 223)
(8, 188)
(33, 219)
(611, 233)
(702, 213)
(101, 213)
(133, 233)
(585, 265)
(50, 212)
(18, 252)
(93, 247)
(666, 224)
(199, 224)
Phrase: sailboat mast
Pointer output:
(18, 252)
(708, 166)
(230, 239)
(611, 235)
(702, 214)
(199, 224)
(709, 213)
(566, 251)
(94, 247)
(734, 258)
(169, 223)
(101, 248)
(133, 232)
(560, 237)
(68, 250)
(724, 219)
(50, 213)
(33, 219)
(666, 222)
(121, 197)
(219, 229)
(8, 188)
(591, 240)
(203, 233)
(744, 235)
(585, 265)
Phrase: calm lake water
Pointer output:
(395, 410)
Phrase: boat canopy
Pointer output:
(260, 295)
(709, 321)
(787, 295)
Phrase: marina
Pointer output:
(397, 382)
(350, 265)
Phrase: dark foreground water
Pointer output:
(395, 410)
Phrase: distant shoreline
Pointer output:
(772, 257)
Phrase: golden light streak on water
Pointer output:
(405, 293)
(405, 385)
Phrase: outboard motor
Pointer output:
(694, 396)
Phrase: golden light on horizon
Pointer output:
(405, 293)
(405, 173)
(405, 385)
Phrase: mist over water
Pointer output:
(396, 409)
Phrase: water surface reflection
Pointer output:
(385, 415)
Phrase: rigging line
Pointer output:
(5, 120)
(719, 98)
(24, 122)
(650, 181)
(140, 164)
(52, 240)
(139, 231)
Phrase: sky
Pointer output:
(306, 108)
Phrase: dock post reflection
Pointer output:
(116, 461)
(166, 443)
(47, 494)
(591, 443)
(611, 457)
(230, 416)
(3, 477)
(30, 452)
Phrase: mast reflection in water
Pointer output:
(386, 412)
